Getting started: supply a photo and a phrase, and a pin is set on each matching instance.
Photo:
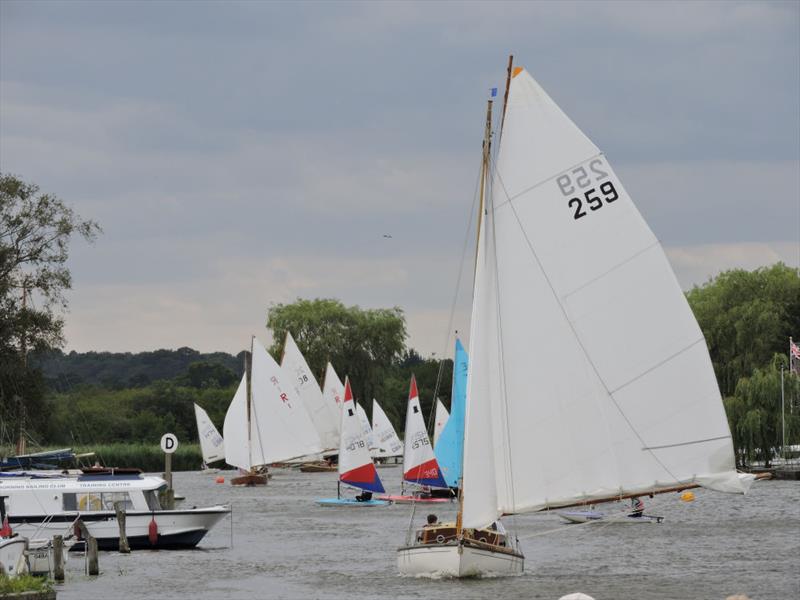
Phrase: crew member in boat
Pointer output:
(637, 507)
(433, 521)
(364, 496)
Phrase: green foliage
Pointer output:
(360, 343)
(23, 583)
(747, 317)
(754, 412)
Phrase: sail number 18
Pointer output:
(573, 185)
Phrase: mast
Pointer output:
(248, 368)
(487, 143)
(505, 97)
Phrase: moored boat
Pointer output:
(40, 506)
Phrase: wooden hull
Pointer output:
(251, 479)
(317, 468)
(459, 559)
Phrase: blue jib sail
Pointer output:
(450, 447)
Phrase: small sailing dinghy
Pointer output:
(266, 422)
(212, 445)
(616, 396)
(419, 463)
(594, 516)
(355, 465)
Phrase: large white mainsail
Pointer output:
(324, 415)
(212, 445)
(618, 377)
(284, 428)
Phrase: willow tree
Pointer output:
(360, 343)
(35, 232)
(756, 412)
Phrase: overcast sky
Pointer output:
(243, 154)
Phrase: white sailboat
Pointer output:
(266, 422)
(212, 445)
(440, 420)
(324, 415)
(366, 429)
(386, 440)
(333, 391)
(581, 339)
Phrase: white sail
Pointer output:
(581, 339)
(211, 443)
(333, 390)
(324, 415)
(440, 421)
(366, 429)
(281, 424)
(235, 429)
(386, 440)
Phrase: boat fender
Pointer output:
(6, 530)
(152, 531)
(76, 531)
(440, 538)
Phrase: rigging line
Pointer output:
(451, 318)
(577, 337)
(500, 346)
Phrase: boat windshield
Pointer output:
(151, 496)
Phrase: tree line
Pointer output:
(84, 398)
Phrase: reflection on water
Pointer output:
(285, 546)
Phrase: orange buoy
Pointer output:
(687, 496)
(220, 479)
(152, 531)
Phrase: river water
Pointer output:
(286, 546)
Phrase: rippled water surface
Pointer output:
(285, 546)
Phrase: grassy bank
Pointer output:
(147, 457)
(23, 583)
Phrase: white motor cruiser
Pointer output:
(42, 505)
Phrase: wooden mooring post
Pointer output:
(93, 565)
(123, 537)
(58, 557)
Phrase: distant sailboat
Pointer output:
(366, 428)
(386, 440)
(356, 468)
(440, 420)
(211, 444)
(449, 450)
(419, 463)
(266, 422)
(333, 391)
(324, 415)
(589, 378)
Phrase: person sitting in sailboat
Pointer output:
(433, 521)
(364, 496)
(637, 507)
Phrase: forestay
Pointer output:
(419, 463)
(211, 443)
(385, 437)
(589, 375)
(324, 415)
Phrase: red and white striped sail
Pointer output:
(355, 463)
(418, 460)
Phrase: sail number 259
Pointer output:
(574, 185)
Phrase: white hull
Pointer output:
(12, 555)
(594, 517)
(453, 560)
(178, 528)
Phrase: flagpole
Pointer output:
(783, 415)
